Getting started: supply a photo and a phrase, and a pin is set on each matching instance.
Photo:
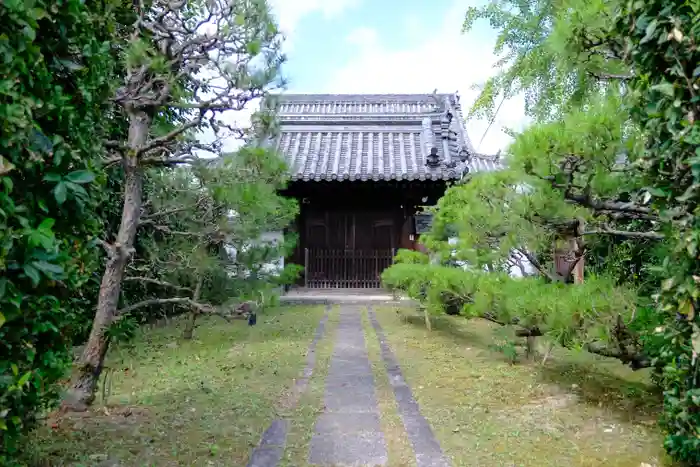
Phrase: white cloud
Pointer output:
(290, 12)
(446, 60)
(362, 37)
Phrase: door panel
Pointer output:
(348, 249)
(383, 235)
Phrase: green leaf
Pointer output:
(685, 307)
(60, 192)
(24, 379)
(9, 184)
(32, 273)
(76, 189)
(2, 319)
(253, 47)
(52, 177)
(48, 268)
(47, 224)
(29, 32)
(81, 177)
(664, 88)
(651, 29)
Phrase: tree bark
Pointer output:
(569, 260)
(530, 347)
(189, 325)
(84, 385)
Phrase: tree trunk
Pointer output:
(91, 363)
(189, 325)
(530, 347)
(569, 260)
(427, 319)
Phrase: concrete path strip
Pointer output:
(348, 431)
(273, 442)
(426, 448)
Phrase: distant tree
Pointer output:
(573, 183)
(613, 89)
(194, 218)
(186, 63)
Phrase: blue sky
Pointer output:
(383, 46)
(319, 35)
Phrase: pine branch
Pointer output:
(626, 234)
(156, 282)
(631, 209)
(610, 76)
(537, 265)
(170, 137)
(636, 360)
(183, 301)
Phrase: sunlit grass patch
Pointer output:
(304, 416)
(398, 446)
(199, 402)
(576, 410)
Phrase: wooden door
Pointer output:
(348, 249)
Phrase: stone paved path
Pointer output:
(348, 431)
(425, 446)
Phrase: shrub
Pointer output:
(570, 315)
(55, 81)
(659, 40)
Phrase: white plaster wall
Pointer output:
(275, 237)
(514, 271)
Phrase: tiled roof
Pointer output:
(376, 137)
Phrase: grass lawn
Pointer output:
(206, 402)
(398, 445)
(203, 402)
(303, 417)
(576, 410)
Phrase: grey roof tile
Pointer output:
(375, 137)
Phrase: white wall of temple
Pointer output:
(513, 272)
(274, 237)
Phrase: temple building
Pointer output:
(362, 168)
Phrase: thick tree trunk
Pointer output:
(189, 325)
(91, 363)
(569, 260)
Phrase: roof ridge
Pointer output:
(282, 97)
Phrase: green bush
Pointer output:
(404, 256)
(570, 315)
(55, 78)
(659, 40)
